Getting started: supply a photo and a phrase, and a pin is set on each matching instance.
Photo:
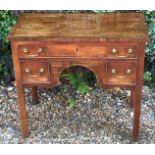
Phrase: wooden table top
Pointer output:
(123, 26)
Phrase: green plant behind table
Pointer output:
(6, 69)
(149, 76)
(78, 79)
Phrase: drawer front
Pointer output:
(123, 73)
(63, 50)
(93, 50)
(121, 51)
(35, 72)
(73, 50)
(32, 50)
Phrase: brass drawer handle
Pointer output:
(29, 72)
(33, 55)
(130, 50)
(40, 50)
(25, 50)
(128, 72)
(114, 51)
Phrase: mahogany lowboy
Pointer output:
(110, 45)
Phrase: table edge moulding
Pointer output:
(111, 45)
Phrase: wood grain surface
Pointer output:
(107, 26)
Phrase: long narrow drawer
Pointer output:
(93, 50)
(121, 73)
(35, 72)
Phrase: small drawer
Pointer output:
(121, 73)
(35, 72)
(32, 50)
(121, 51)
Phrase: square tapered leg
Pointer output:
(22, 110)
(34, 95)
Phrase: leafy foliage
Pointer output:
(149, 76)
(71, 102)
(78, 79)
(6, 21)
(6, 70)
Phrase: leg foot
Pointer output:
(22, 111)
(136, 105)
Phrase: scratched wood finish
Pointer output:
(111, 45)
